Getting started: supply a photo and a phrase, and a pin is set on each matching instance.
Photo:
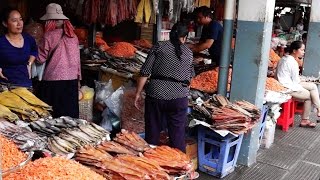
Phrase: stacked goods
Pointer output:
(114, 147)
(10, 155)
(24, 103)
(208, 81)
(236, 117)
(7, 114)
(116, 11)
(274, 59)
(274, 85)
(120, 167)
(131, 119)
(122, 50)
(131, 141)
(70, 139)
(124, 161)
(54, 168)
(142, 43)
(23, 138)
(172, 160)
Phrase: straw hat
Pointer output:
(53, 12)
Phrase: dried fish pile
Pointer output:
(172, 160)
(132, 141)
(54, 126)
(124, 65)
(238, 117)
(114, 147)
(120, 167)
(24, 104)
(24, 139)
(70, 139)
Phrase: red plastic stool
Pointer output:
(298, 107)
(286, 118)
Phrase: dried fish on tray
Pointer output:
(69, 140)
(236, 117)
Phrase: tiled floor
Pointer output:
(295, 155)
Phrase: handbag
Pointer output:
(37, 69)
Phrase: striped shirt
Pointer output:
(162, 61)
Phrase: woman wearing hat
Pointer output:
(17, 50)
(59, 87)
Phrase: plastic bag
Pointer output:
(103, 90)
(114, 102)
(87, 93)
(109, 120)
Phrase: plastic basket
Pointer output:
(86, 109)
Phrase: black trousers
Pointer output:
(174, 112)
(61, 95)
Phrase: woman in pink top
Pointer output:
(59, 87)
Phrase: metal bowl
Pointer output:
(18, 167)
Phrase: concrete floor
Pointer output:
(295, 155)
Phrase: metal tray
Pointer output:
(18, 167)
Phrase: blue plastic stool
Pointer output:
(263, 118)
(217, 155)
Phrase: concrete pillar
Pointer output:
(250, 65)
(311, 63)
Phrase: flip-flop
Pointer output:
(308, 124)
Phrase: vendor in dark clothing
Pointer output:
(211, 37)
(169, 66)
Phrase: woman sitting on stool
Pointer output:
(287, 74)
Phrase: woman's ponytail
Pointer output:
(179, 30)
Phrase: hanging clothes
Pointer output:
(144, 11)
(200, 3)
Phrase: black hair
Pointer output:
(205, 11)
(295, 45)
(5, 14)
(178, 30)
(304, 36)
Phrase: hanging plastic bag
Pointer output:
(114, 102)
(103, 90)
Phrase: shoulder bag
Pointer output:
(37, 69)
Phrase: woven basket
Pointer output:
(85, 109)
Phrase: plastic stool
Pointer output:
(298, 107)
(286, 118)
(217, 155)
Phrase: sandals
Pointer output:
(307, 124)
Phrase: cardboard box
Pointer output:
(194, 163)
(191, 148)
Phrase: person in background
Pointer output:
(18, 51)
(300, 25)
(61, 77)
(287, 74)
(304, 38)
(276, 24)
(169, 66)
(211, 36)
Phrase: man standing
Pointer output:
(211, 37)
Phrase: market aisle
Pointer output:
(295, 155)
